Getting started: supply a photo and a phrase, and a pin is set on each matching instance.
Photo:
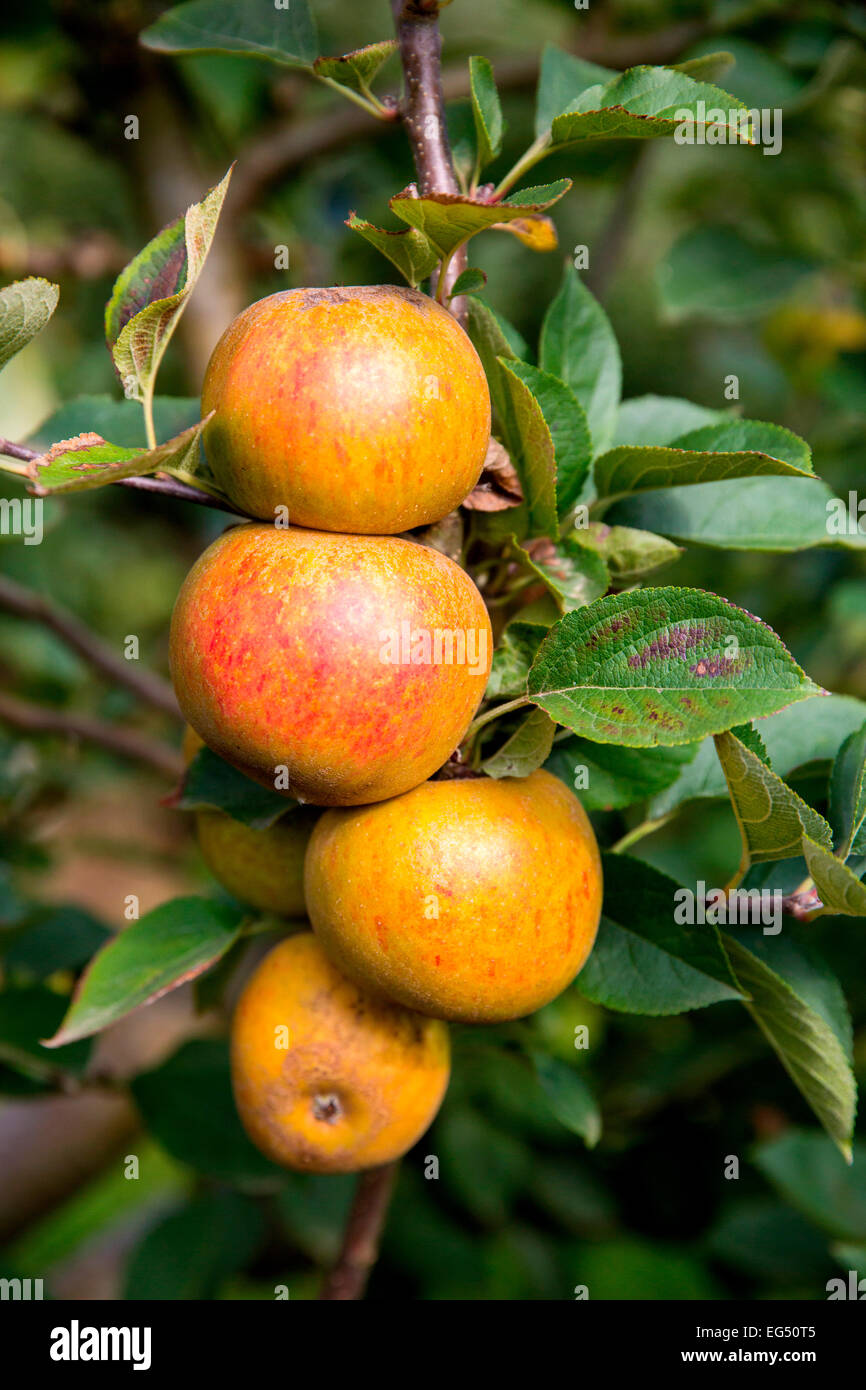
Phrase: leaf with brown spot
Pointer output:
(89, 461)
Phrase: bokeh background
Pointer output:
(709, 260)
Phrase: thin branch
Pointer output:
(26, 603)
(173, 487)
(17, 451)
(417, 25)
(348, 1278)
(126, 743)
(160, 483)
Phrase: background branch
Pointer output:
(348, 1278)
(127, 743)
(147, 685)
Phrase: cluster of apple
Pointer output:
(354, 415)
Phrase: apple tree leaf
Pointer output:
(486, 110)
(410, 251)
(89, 461)
(253, 28)
(356, 70)
(168, 946)
(150, 295)
(799, 1007)
(579, 347)
(25, 308)
(662, 666)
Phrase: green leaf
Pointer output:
(660, 419)
(644, 961)
(513, 658)
(170, 945)
(25, 308)
(772, 818)
(150, 295)
(492, 343)
(254, 28)
(748, 735)
(639, 468)
(662, 666)
(799, 1007)
(448, 219)
(568, 426)
(802, 734)
(486, 110)
(838, 888)
(770, 514)
(628, 554)
(212, 784)
(470, 281)
(579, 347)
(732, 436)
(26, 1017)
(608, 777)
(716, 272)
(646, 102)
(531, 446)
(848, 792)
(805, 1169)
(574, 575)
(410, 251)
(569, 1097)
(356, 70)
(525, 750)
(187, 1104)
(76, 465)
(562, 78)
(190, 1252)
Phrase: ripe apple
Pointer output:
(327, 1079)
(338, 669)
(475, 900)
(362, 409)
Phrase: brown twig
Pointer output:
(147, 685)
(348, 1278)
(17, 451)
(127, 743)
(417, 25)
(160, 483)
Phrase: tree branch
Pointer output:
(348, 1278)
(26, 603)
(127, 743)
(417, 25)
